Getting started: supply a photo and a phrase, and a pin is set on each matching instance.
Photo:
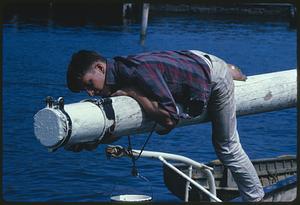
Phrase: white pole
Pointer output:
(260, 93)
(145, 14)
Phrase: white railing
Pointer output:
(118, 151)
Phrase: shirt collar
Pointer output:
(110, 72)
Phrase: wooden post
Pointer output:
(126, 9)
(293, 16)
(145, 18)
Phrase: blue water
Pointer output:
(35, 57)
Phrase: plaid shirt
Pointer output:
(166, 77)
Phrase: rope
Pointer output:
(134, 170)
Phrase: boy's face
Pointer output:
(93, 80)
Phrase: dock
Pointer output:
(140, 11)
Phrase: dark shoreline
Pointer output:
(100, 11)
(283, 9)
(230, 9)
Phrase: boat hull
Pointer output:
(270, 171)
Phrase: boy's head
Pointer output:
(86, 71)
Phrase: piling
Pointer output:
(293, 16)
(127, 10)
(145, 14)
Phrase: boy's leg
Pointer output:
(225, 137)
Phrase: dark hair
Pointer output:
(79, 65)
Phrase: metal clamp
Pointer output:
(115, 151)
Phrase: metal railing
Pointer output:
(118, 151)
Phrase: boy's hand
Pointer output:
(119, 93)
(82, 146)
(163, 131)
(90, 146)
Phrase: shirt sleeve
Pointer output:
(150, 80)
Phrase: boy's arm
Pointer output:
(152, 108)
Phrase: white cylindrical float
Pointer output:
(88, 121)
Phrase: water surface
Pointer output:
(35, 57)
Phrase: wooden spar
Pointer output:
(267, 92)
(259, 93)
(58, 124)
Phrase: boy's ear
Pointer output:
(100, 67)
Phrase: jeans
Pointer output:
(225, 137)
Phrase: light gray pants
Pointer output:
(225, 137)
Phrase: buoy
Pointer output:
(131, 198)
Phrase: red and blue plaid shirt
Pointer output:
(166, 77)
